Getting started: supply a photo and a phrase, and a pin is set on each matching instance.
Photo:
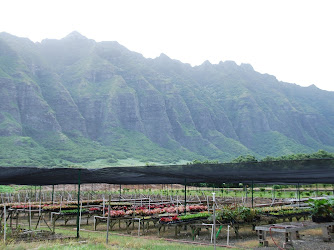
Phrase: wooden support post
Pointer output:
(54, 224)
(11, 219)
(17, 219)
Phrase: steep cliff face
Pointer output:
(57, 96)
(10, 119)
(80, 92)
(36, 114)
(22, 99)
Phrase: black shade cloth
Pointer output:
(271, 172)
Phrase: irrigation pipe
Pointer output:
(220, 228)
(272, 235)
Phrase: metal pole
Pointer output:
(214, 219)
(246, 193)
(39, 211)
(78, 207)
(207, 202)
(108, 220)
(29, 215)
(104, 205)
(61, 203)
(228, 235)
(298, 195)
(120, 192)
(273, 189)
(252, 194)
(53, 192)
(185, 196)
(5, 224)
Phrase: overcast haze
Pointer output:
(293, 40)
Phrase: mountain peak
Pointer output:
(207, 63)
(75, 35)
(313, 86)
(164, 57)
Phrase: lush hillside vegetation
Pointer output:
(76, 101)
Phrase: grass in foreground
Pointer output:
(96, 240)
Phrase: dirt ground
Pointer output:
(309, 240)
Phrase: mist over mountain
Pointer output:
(75, 100)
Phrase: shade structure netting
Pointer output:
(269, 172)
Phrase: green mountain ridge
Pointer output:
(76, 101)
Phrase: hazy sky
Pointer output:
(293, 40)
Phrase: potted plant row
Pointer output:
(322, 210)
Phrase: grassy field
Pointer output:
(102, 163)
(6, 189)
(227, 192)
(97, 240)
